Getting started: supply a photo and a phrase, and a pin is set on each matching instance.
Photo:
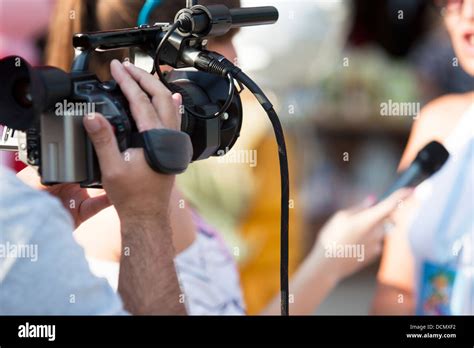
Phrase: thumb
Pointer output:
(381, 210)
(177, 100)
(178, 104)
(93, 205)
(103, 138)
(366, 203)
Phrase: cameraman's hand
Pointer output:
(148, 283)
(80, 204)
(136, 191)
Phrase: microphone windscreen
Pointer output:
(432, 157)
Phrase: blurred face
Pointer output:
(459, 19)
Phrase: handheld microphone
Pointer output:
(428, 161)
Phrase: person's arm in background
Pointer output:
(101, 239)
(395, 287)
(435, 122)
(395, 279)
(320, 272)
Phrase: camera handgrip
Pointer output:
(167, 151)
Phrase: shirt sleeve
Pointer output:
(43, 271)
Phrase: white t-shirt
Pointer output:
(207, 273)
(442, 230)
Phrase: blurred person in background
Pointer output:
(428, 261)
(19, 31)
(437, 66)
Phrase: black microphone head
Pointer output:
(432, 157)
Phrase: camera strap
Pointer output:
(167, 151)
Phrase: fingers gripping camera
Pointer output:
(212, 110)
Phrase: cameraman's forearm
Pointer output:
(148, 283)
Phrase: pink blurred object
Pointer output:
(21, 23)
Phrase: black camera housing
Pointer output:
(30, 95)
(58, 145)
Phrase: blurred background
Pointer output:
(330, 66)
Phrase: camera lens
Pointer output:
(22, 92)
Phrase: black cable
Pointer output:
(285, 186)
(156, 63)
(217, 64)
(157, 69)
(227, 103)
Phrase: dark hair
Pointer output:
(73, 16)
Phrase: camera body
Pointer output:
(58, 145)
(50, 109)
(47, 104)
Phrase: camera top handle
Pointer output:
(197, 23)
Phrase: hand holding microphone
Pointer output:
(364, 226)
(427, 162)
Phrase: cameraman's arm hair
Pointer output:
(148, 283)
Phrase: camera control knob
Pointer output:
(108, 86)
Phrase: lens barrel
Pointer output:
(25, 91)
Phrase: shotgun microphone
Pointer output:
(201, 21)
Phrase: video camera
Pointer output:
(43, 103)
(57, 144)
